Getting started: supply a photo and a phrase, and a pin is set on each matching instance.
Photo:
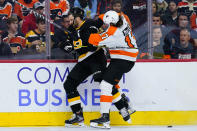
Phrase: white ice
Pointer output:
(127, 128)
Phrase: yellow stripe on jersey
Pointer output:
(74, 99)
(83, 55)
(116, 95)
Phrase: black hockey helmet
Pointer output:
(77, 12)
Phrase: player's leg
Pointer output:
(122, 103)
(75, 77)
(105, 103)
(119, 99)
(111, 77)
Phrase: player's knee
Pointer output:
(114, 90)
(98, 76)
(70, 85)
(106, 88)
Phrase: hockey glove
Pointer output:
(66, 46)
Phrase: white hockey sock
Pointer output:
(106, 96)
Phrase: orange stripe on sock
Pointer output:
(104, 98)
(117, 86)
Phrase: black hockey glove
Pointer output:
(66, 46)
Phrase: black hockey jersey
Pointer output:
(81, 36)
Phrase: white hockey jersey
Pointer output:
(120, 41)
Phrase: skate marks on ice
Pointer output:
(113, 128)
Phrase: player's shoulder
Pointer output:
(89, 22)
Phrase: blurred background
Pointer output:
(33, 29)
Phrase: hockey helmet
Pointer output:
(111, 17)
(77, 12)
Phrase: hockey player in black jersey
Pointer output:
(91, 59)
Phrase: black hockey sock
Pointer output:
(76, 108)
(120, 104)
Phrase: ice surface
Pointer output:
(113, 128)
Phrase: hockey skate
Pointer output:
(125, 115)
(127, 110)
(77, 120)
(128, 104)
(102, 122)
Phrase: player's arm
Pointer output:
(67, 45)
(96, 38)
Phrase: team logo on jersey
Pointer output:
(77, 44)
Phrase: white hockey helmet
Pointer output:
(111, 17)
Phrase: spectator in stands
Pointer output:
(158, 43)
(177, 1)
(154, 8)
(171, 15)
(89, 6)
(193, 21)
(5, 10)
(20, 11)
(58, 7)
(103, 6)
(156, 47)
(12, 37)
(190, 8)
(29, 22)
(136, 10)
(5, 13)
(117, 6)
(184, 48)
(173, 37)
(35, 39)
(157, 20)
(62, 35)
(4, 48)
(187, 6)
(162, 6)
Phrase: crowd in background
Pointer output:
(174, 32)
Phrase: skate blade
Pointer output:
(102, 126)
(131, 111)
(75, 125)
(129, 121)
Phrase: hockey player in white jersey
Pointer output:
(123, 52)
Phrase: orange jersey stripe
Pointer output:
(121, 52)
(104, 98)
(94, 39)
(16, 40)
